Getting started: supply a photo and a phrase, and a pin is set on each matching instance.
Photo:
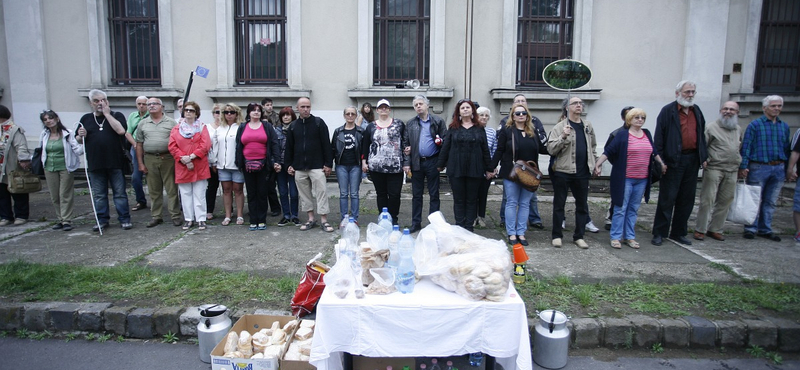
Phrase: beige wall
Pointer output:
(4, 78)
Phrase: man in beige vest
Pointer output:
(155, 161)
(723, 139)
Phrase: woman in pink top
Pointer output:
(629, 153)
(189, 144)
(257, 153)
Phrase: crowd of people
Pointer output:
(283, 158)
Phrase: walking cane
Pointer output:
(86, 172)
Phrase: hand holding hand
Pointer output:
(290, 171)
(743, 173)
(326, 170)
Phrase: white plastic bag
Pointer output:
(341, 279)
(746, 201)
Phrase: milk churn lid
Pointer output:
(211, 310)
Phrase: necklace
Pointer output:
(98, 123)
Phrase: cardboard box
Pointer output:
(252, 324)
(370, 363)
(294, 364)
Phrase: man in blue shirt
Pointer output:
(765, 150)
(424, 135)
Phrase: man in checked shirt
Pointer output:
(765, 149)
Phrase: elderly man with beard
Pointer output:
(680, 141)
(723, 139)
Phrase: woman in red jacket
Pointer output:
(189, 144)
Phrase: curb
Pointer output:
(635, 331)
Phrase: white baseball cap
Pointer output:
(383, 102)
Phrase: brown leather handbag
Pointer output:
(524, 173)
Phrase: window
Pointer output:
(544, 35)
(260, 42)
(134, 42)
(402, 41)
(778, 63)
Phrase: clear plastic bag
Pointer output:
(341, 279)
(383, 281)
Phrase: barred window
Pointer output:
(134, 42)
(260, 42)
(544, 35)
(402, 41)
(778, 63)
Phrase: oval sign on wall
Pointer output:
(566, 74)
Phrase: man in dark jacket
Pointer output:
(424, 134)
(680, 141)
(309, 159)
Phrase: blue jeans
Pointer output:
(517, 207)
(349, 178)
(100, 180)
(770, 178)
(136, 179)
(533, 213)
(288, 189)
(624, 220)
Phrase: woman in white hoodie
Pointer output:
(61, 155)
(223, 158)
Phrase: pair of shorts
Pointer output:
(231, 175)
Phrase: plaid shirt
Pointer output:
(765, 141)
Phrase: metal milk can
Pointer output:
(214, 324)
(551, 340)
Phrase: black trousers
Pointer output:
(20, 209)
(387, 192)
(256, 183)
(676, 197)
(579, 186)
(211, 191)
(483, 195)
(427, 171)
(272, 192)
(465, 200)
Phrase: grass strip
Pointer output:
(30, 282)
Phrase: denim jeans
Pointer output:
(770, 178)
(623, 224)
(100, 180)
(517, 207)
(429, 172)
(288, 190)
(136, 179)
(533, 209)
(349, 178)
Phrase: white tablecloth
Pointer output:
(430, 322)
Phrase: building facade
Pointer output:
(343, 53)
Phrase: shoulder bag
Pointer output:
(36, 162)
(22, 181)
(524, 173)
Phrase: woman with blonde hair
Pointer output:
(213, 181)
(223, 161)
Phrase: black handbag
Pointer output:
(36, 162)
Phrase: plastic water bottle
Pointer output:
(449, 365)
(435, 364)
(404, 282)
(351, 234)
(394, 249)
(423, 367)
(385, 213)
(476, 359)
(385, 222)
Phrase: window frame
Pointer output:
(120, 46)
(774, 34)
(542, 53)
(381, 25)
(243, 60)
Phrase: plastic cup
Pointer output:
(520, 256)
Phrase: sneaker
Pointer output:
(58, 226)
(557, 242)
(126, 226)
(564, 224)
(591, 228)
(283, 222)
(20, 221)
(253, 227)
(97, 228)
(479, 222)
(4, 222)
(67, 226)
(365, 180)
(296, 221)
(262, 226)
(581, 244)
(797, 237)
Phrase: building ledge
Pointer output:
(125, 97)
(750, 103)
(282, 96)
(401, 97)
(545, 99)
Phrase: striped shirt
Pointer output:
(639, 150)
(765, 141)
(491, 139)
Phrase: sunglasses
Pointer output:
(191, 110)
(229, 112)
(521, 113)
(350, 114)
(216, 112)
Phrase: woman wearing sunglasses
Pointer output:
(189, 144)
(347, 155)
(213, 181)
(224, 161)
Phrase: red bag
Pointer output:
(308, 292)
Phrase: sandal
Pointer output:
(632, 243)
(139, 206)
(615, 244)
(326, 227)
(240, 220)
(226, 221)
(309, 225)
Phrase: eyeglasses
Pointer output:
(216, 112)
(141, 103)
(229, 112)
(640, 118)
(350, 114)
(190, 110)
(153, 104)
(521, 113)
(576, 103)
